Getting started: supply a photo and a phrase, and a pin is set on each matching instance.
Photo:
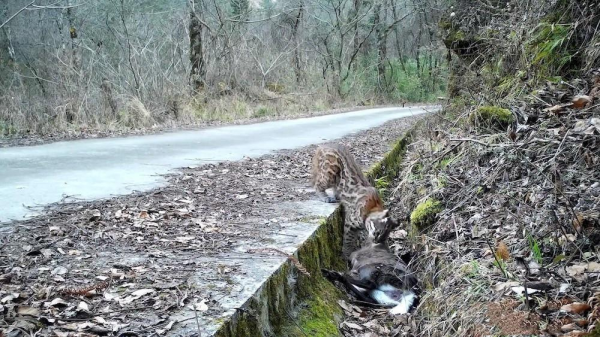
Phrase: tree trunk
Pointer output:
(356, 41)
(380, 31)
(398, 46)
(73, 35)
(198, 70)
(297, 61)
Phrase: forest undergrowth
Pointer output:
(499, 194)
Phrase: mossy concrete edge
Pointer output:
(293, 304)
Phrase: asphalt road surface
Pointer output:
(34, 176)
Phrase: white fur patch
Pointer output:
(408, 298)
(402, 306)
(382, 298)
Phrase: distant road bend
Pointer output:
(99, 168)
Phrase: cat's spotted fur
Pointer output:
(333, 166)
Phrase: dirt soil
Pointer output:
(85, 133)
(121, 265)
(511, 241)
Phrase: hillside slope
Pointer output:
(500, 193)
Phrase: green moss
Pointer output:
(274, 310)
(307, 305)
(276, 87)
(442, 182)
(595, 332)
(425, 213)
(456, 35)
(389, 167)
(321, 315)
(7, 129)
(492, 116)
(445, 24)
(445, 162)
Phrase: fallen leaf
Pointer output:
(577, 308)
(28, 311)
(96, 215)
(26, 324)
(581, 101)
(534, 267)
(57, 302)
(563, 288)
(501, 286)
(184, 239)
(55, 230)
(166, 328)
(502, 251)
(344, 305)
(569, 327)
(5, 278)
(109, 297)
(577, 270)
(83, 307)
(200, 306)
(578, 221)
(353, 326)
(580, 126)
(557, 108)
(59, 271)
(9, 298)
(143, 214)
(99, 320)
(135, 295)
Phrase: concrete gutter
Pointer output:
(277, 299)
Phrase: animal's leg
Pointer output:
(321, 187)
(348, 282)
(336, 194)
(382, 297)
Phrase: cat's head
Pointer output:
(379, 226)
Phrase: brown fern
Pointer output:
(292, 258)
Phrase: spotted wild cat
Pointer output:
(333, 166)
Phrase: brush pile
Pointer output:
(505, 216)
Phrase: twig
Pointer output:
(470, 140)
(197, 322)
(560, 145)
(294, 260)
(295, 323)
(17, 13)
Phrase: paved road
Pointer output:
(98, 168)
